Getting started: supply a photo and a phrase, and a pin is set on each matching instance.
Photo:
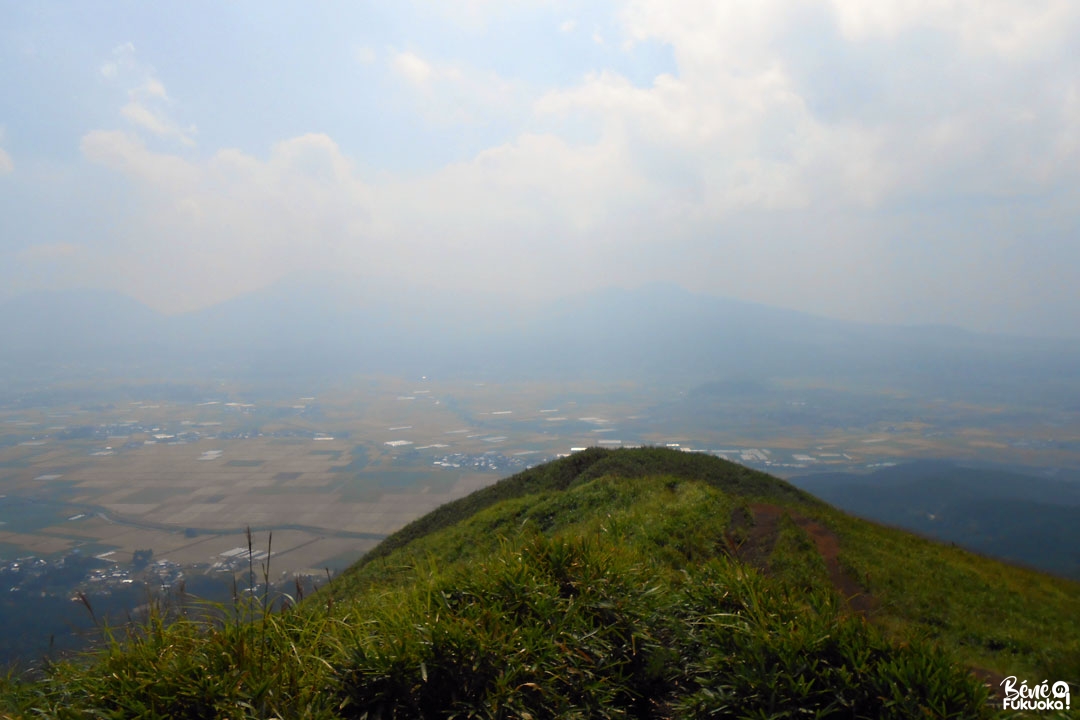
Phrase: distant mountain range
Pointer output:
(332, 328)
(1016, 517)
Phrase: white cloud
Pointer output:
(121, 151)
(203, 231)
(413, 68)
(567, 26)
(1015, 28)
(156, 122)
(153, 88)
(819, 154)
(49, 252)
(963, 106)
(751, 120)
(122, 60)
(364, 55)
(148, 105)
(457, 94)
(7, 165)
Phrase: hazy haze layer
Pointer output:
(893, 162)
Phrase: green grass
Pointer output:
(589, 465)
(601, 586)
(1012, 620)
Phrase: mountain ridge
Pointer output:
(643, 583)
(657, 331)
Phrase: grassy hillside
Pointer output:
(632, 584)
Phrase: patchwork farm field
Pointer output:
(330, 476)
(190, 504)
(332, 472)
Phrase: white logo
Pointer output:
(1043, 696)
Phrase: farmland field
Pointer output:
(331, 473)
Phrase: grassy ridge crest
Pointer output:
(610, 584)
(588, 465)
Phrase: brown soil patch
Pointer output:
(858, 598)
(759, 532)
(752, 537)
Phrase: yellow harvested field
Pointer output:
(37, 544)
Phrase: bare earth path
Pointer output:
(761, 530)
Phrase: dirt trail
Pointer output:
(858, 598)
(761, 528)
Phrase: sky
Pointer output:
(895, 161)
